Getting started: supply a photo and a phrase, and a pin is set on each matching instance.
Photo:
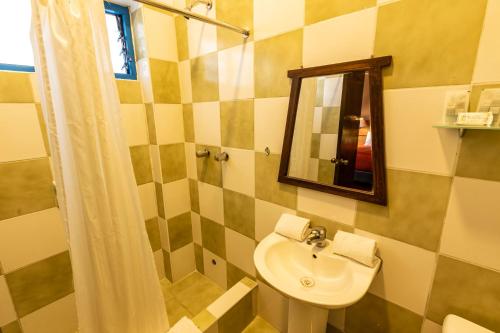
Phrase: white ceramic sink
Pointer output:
(312, 275)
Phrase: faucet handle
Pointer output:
(319, 230)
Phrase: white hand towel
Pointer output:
(356, 247)
(185, 325)
(292, 226)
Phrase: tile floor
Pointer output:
(259, 325)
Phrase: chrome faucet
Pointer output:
(317, 236)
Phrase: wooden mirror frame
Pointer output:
(373, 66)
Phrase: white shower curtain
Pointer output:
(116, 284)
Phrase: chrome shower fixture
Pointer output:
(207, 3)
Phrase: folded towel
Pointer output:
(356, 247)
(185, 325)
(292, 226)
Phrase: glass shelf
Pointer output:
(461, 128)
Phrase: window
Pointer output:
(16, 53)
(120, 41)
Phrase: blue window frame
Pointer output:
(120, 39)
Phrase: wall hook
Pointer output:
(267, 151)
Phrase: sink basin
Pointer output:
(312, 275)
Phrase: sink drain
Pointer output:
(307, 282)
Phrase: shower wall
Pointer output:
(441, 229)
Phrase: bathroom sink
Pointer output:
(310, 274)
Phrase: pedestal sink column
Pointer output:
(305, 318)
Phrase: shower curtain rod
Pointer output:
(195, 16)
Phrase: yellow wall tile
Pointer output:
(15, 88)
(204, 78)
(129, 91)
(239, 13)
(165, 79)
(319, 10)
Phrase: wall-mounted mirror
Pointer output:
(334, 136)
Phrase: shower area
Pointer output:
(204, 264)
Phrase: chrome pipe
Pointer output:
(203, 153)
(186, 13)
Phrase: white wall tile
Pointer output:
(30, 238)
(160, 35)
(59, 316)
(20, 133)
(147, 195)
(202, 37)
(8, 313)
(211, 202)
(190, 151)
(240, 250)
(317, 119)
(182, 262)
(176, 198)
(238, 173)
(165, 242)
(236, 79)
(135, 124)
(328, 146)
(332, 91)
(144, 75)
(270, 120)
(228, 300)
(160, 268)
(273, 307)
(267, 215)
(272, 18)
(411, 141)
(185, 81)
(488, 57)
(406, 275)
(431, 327)
(327, 205)
(217, 272)
(206, 117)
(196, 225)
(471, 228)
(169, 123)
(331, 41)
(155, 163)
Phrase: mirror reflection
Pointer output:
(332, 142)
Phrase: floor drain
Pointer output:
(307, 282)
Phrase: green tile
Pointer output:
(43, 127)
(25, 187)
(176, 311)
(238, 317)
(204, 320)
(141, 160)
(205, 78)
(319, 10)
(239, 13)
(179, 231)
(15, 88)
(193, 194)
(166, 289)
(150, 117)
(332, 329)
(330, 117)
(41, 283)
(239, 213)
(237, 124)
(479, 157)
(13, 327)
(234, 275)
(182, 37)
(325, 172)
(196, 292)
(465, 290)
(159, 200)
(173, 162)
(380, 316)
(415, 212)
(259, 325)
(315, 144)
(267, 186)
(129, 91)
(209, 170)
(213, 237)
(166, 263)
(165, 81)
(331, 226)
(187, 113)
(274, 57)
(198, 256)
(153, 230)
(432, 43)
